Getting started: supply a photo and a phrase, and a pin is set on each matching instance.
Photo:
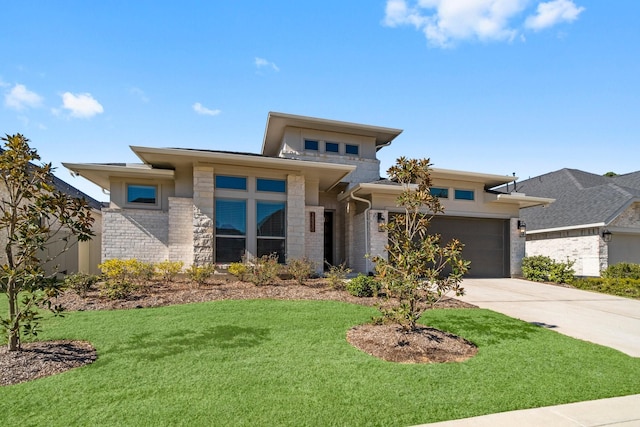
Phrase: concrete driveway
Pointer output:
(602, 319)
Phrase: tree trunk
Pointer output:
(14, 331)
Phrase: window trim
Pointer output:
(313, 141)
(346, 150)
(331, 143)
(246, 182)
(439, 191)
(283, 181)
(458, 191)
(142, 205)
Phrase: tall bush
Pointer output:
(419, 269)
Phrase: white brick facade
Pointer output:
(314, 240)
(181, 230)
(517, 248)
(584, 246)
(135, 233)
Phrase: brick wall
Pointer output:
(517, 246)
(585, 247)
(181, 230)
(135, 233)
(314, 240)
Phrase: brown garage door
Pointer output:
(486, 243)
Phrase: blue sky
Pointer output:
(495, 86)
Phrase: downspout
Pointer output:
(366, 226)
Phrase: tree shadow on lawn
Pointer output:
(155, 346)
(484, 327)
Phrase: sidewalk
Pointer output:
(617, 411)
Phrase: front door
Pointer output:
(328, 238)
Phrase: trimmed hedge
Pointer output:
(629, 288)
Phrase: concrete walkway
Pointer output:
(602, 319)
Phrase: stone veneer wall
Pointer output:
(295, 217)
(588, 250)
(135, 233)
(203, 215)
(314, 240)
(181, 230)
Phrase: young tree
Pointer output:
(419, 270)
(33, 216)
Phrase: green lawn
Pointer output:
(269, 362)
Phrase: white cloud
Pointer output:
(82, 105)
(261, 63)
(445, 22)
(552, 13)
(20, 98)
(200, 109)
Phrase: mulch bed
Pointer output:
(426, 345)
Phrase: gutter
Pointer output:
(366, 224)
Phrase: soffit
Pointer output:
(278, 122)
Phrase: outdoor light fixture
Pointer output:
(381, 221)
(522, 227)
(606, 235)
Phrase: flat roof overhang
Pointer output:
(522, 200)
(100, 174)
(277, 122)
(327, 174)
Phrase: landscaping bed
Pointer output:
(38, 359)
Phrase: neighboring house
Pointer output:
(79, 257)
(595, 220)
(314, 191)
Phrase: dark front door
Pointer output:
(328, 237)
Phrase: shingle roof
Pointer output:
(581, 198)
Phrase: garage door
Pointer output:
(486, 243)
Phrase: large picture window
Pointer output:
(271, 228)
(231, 230)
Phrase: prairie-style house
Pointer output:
(313, 191)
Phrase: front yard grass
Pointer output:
(267, 362)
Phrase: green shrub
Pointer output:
(81, 283)
(264, 270)
(622, 270)
(200, 273)
(363, 286)
(541, 268)
(118, 275)
(623, 287)
(300, 269)
(142, 271)
(337, 275)
(168, 270)
(117, 290)
(239, 270)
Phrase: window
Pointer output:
(442, 193)
(231, 229)
(464, 195)
(146, 194)
(351, 149)
(271, 228)
(272, 185)
(311, 144)
(331, 147)
(231, 182)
